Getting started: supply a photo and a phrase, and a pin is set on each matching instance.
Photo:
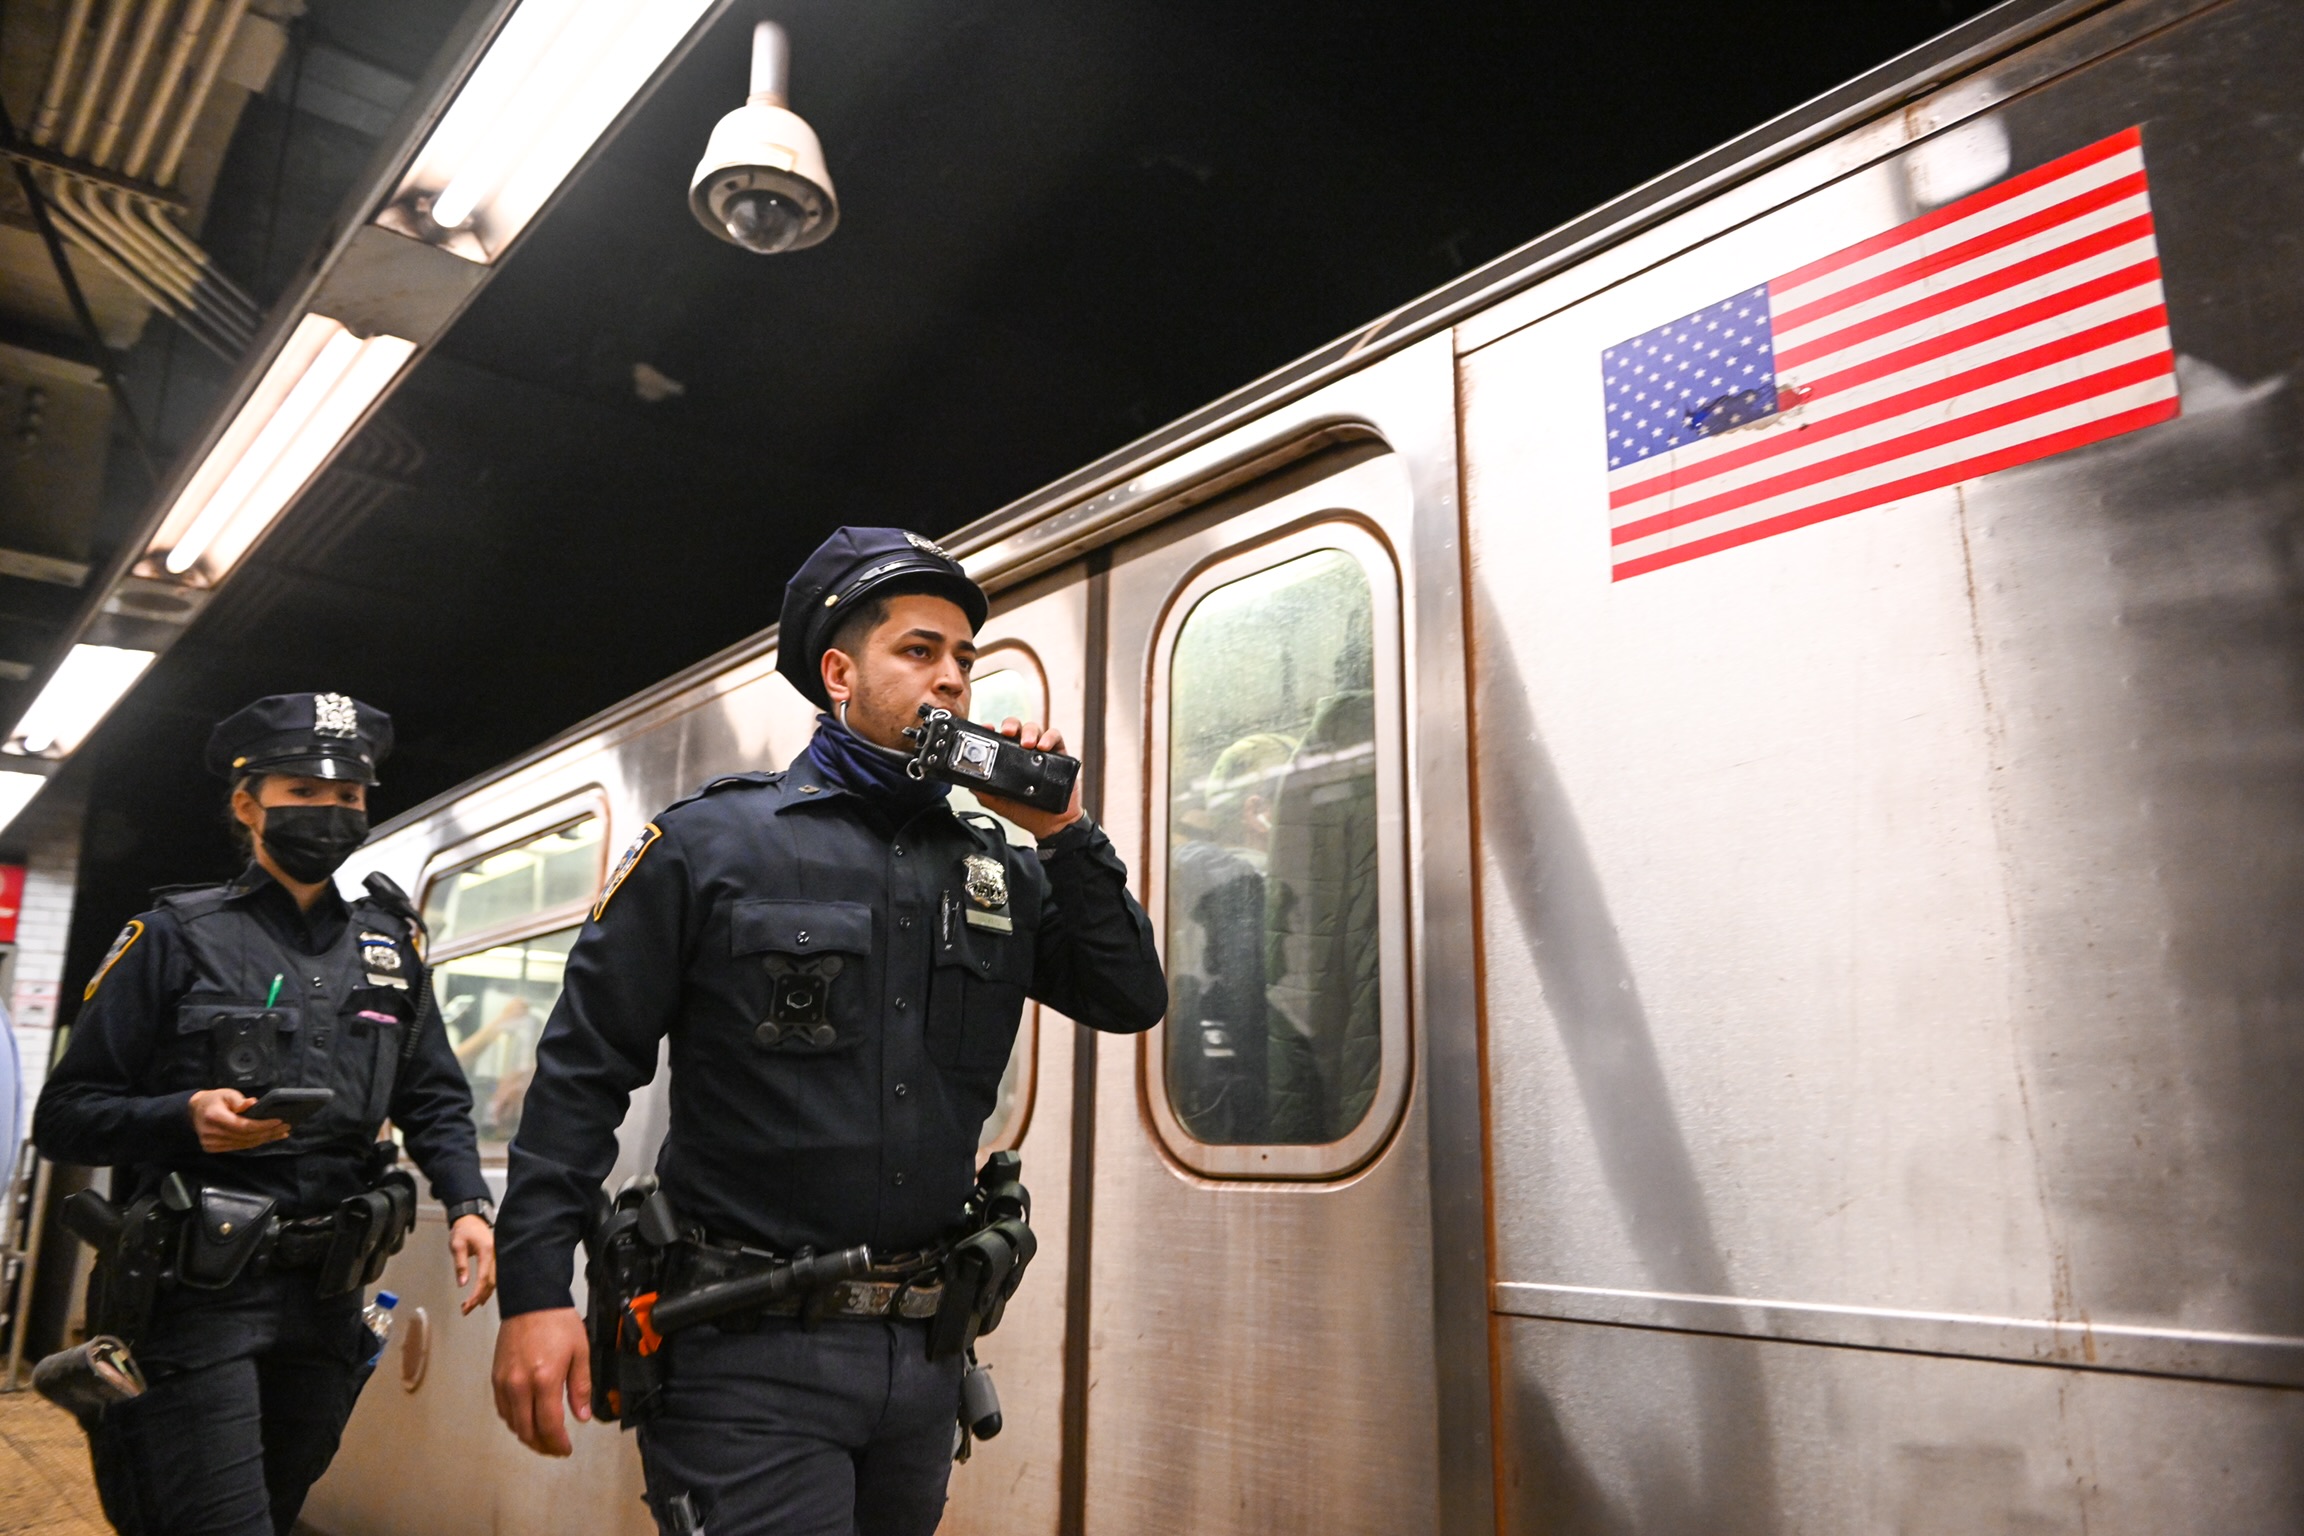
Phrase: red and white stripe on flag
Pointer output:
(2017, 322)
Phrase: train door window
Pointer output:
(495, 1002)
(511, 886)
(1008, 681)
(501, 926)
(1284, 1050)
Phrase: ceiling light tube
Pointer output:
(82, 692)
(556, 75)
(16, 792)
(308, 401)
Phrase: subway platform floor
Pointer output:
(45, 1489)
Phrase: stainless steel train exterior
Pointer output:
(1830, 1014)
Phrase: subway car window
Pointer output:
(495, 1002)
(1274, 962)
(559, 868)
(500, 927)
(994, 695)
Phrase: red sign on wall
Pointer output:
(11, 900)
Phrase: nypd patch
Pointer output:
(625, 866)
(120, 946)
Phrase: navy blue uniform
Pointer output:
(868, 1138)
(250, 1385)
(860, 1129)
(119, 1096)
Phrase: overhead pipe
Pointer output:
(165, 84)
(211, 62)
(172, 151)
(90, 228)
(190, 26)
(126, 232)
(163, 265)
(113, 121)
(92, 82)
(51, 108)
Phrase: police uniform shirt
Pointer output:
(120, 1095)
(841, 998)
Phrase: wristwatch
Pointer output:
(484, 1208)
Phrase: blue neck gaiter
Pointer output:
(873, 774)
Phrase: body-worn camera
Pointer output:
(245, 1051)
(962, 752)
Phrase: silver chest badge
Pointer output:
(987, 880)
(380, 957)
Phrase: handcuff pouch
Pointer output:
(225, 1231)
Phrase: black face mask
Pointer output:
(308, 842)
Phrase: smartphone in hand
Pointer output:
(294, 1105)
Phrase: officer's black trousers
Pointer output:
(846, 1431)
(250, 1388)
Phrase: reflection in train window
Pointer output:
(495, 1002)
(559, 868)
(993, 696)
(1275, 1023)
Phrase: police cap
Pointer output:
(851, 565)
(319, 735)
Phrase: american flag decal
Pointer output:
(2015, 323)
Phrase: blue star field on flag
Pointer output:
(1692, 378)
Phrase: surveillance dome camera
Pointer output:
(762, 183)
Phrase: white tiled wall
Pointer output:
(51, 874)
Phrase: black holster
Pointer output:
(136, 1253)
(626, 1253)
(370, 1228)
(985, 1267)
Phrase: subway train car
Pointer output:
(1722, 800)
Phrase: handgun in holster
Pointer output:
(985, 1267)
(627, 1251)
(136, 1252)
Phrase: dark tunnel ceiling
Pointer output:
(1061, 227)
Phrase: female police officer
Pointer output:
(840, 964)
(251, 1341)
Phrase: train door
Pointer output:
(1260, 1356)
(1031, 664)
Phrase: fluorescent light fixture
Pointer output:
(308, 401)
(92, 679)
(16, 792)
(554, 78)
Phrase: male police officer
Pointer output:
(251, 1339)
(841, 964)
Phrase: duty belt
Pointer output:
(909, 1286)
(301, 1243)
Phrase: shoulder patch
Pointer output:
(120, 946)
(625, 866)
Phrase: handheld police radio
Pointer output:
(961, 752)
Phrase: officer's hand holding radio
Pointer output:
(1033, 737)
(216, 1118)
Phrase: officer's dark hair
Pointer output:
(242, 838)
(871, 611)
